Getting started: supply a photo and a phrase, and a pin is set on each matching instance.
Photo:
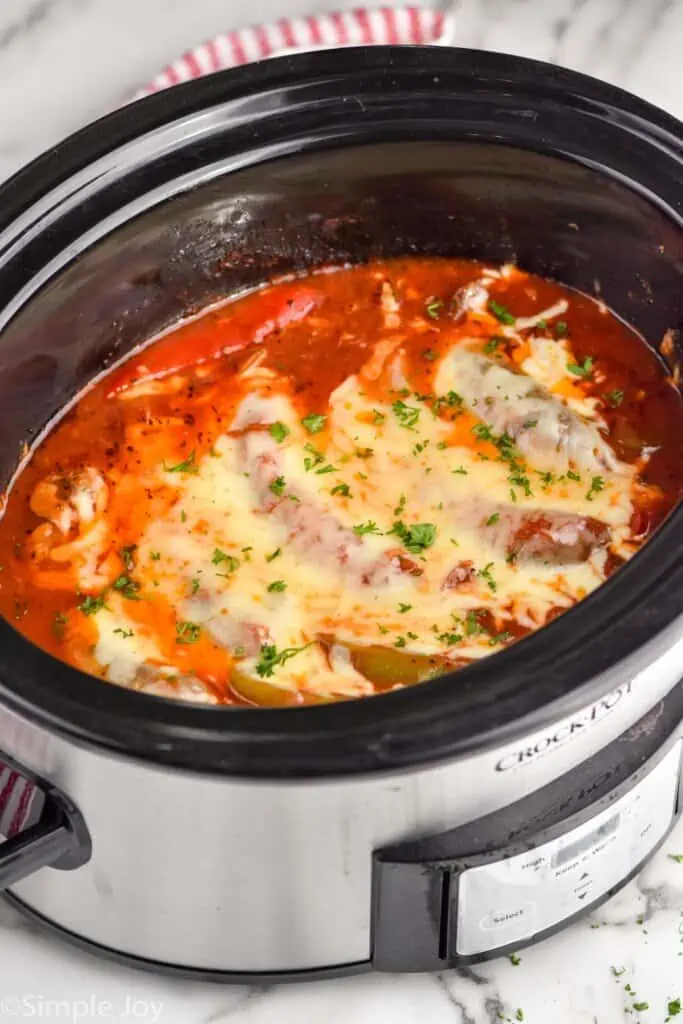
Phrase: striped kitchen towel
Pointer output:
(397, 25)
(20, 802)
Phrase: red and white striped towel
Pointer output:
(20, 802)
(397, 25)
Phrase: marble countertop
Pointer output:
(64, 62)
(628, 953)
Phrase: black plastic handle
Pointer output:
(58, 839)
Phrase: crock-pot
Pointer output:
(433, 826)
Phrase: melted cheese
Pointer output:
(234, 559)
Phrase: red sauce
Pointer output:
(316, 332)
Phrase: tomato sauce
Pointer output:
(170, 403)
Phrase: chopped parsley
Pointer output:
(188, 465)
(314, 457)
(127, 587)
(451, 400)
(521, 480)
(314, 423)
(472, 624)
(571, 475)
(677, 857)
(615, 398)
(501, 313)
(270, 658)
(342, 489)
(449, 639)
(641, 1007)
(460, 471)
(492, 344)
(482, 432)
(407, 415)
(195, 584)
(378, 417)
(674, 1008)
(485, 574)
(363, 528)
(514, 959)
(155, 555)
(278, 431)
(400, 641)
(430, 355)
(508, 453)
(187, 632)
(493, 519)
(221, 558)
(404, 607)
(433, 307)
(597, 485)
(126, 556)
(415, 538)
(519, 1015)
(273, 555)
(506, 446)
(125, 633)
(528, 424)
(618, 971)
(581, 369)
(499, 638)
(398, 511)
(277, 486)
(561, 329)
(277, 587)
(183, 515)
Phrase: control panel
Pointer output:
(493, 885)
(508, 901)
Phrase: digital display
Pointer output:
(586, 843)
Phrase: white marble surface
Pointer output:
(63, 62)
(569, 979)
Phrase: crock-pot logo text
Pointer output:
(566, 731)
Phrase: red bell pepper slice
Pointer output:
(210, 338)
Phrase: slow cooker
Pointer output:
(430, 827)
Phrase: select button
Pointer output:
(514, 919)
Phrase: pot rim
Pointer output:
(554, 672)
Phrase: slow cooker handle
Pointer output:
(58, 838)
